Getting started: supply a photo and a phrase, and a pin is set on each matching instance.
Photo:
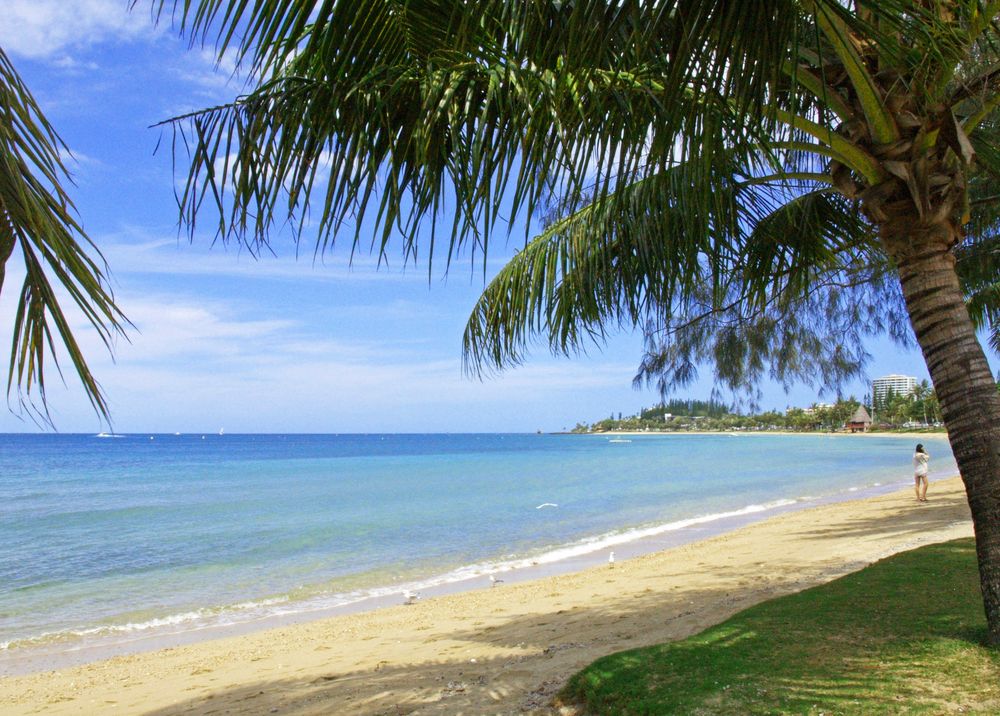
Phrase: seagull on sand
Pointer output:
(611, 559)
(494, 581)
(410, 597)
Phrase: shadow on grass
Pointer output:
(905, 635)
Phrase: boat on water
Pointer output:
(619, 440)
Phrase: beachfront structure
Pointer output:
(816, 407)
(861, 420)
(898, 384)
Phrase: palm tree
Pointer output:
(761, 185)
(921, 394)
(37, 219)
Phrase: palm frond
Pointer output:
(400, 107)
(37, 215)
(978, 267)
(651, 123)
(645, 258)
(977, 258)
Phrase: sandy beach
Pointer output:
(501, 650)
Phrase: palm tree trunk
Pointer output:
(965, 387)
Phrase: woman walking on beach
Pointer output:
(920, 460)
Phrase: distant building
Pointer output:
(861, 420)
(816, 407)
(898, 384)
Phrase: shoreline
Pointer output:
(75, 649)
(518, 640)
(782, 433)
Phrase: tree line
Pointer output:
(917, 410)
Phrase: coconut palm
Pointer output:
(921, 394)
(761, 185)
(37, 223)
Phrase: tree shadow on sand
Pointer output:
(917, 519)
(543, 650)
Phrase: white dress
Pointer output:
(920, 460)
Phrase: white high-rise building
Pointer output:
(898, 384)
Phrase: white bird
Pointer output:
(410, 597)
(494, 581)
(547, 504)
(611, 559)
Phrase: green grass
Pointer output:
(903, 636)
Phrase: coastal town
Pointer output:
(894, 403)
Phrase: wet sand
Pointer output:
(501, 650)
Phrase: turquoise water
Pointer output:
(121, 535)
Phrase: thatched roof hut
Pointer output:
(861, 420)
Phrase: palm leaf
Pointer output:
(393, 115)
(659, 266)
(38, 218)
(495, 100)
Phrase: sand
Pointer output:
(501, 650)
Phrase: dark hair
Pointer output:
(920, 447)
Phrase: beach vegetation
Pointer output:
(918, 411)
(920, 406)
(710, 408)
(904, 635)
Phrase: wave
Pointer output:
(325, 597)
(547, 556)
(207, 616)
(610, 539)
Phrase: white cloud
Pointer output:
(176, 257)
(75, 160)
(212, 71)
(136, 250)
(210, 79)
(51, 29)
(73, 65)
(168, 328)
(290, 387)
(196, 363)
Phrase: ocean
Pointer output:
(116, 538)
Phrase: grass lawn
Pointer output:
(903, 636)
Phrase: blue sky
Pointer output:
(279, 344)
